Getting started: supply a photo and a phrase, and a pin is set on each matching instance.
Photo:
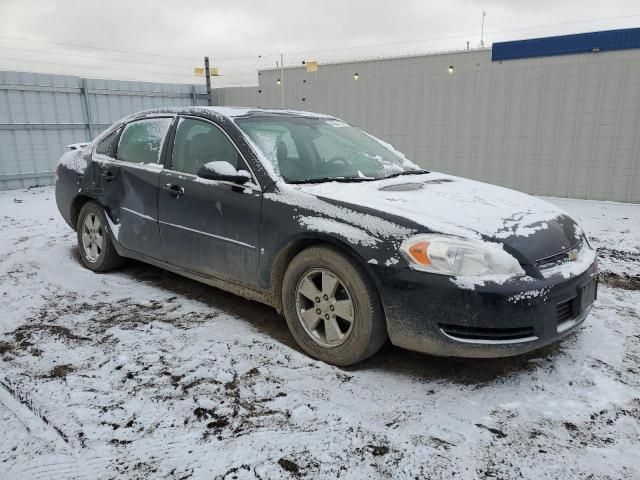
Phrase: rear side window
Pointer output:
(104, 147)
(197, 143)
(141, 141)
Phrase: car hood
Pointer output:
(441, 203)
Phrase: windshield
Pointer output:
(311, 149)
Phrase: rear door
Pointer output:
(209, 227)
(129, 183)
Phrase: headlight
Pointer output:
(456, 256)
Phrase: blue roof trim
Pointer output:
(567, 44)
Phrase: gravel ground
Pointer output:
(141, 373)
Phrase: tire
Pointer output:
(103, 257)
(328, 329)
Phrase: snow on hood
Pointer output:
(447, 204)
(364, 228)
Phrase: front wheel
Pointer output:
(331, 307)
(96, 250)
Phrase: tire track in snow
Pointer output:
(35, 422)
(63, 459)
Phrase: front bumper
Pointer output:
(430, 314)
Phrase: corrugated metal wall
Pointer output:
(41, 114)
(237, 96)
(564, 126)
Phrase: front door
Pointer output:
(130, 185)
(208, 227)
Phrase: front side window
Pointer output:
(199, 142)
(106, 144)
(318, 149)
(141, 141)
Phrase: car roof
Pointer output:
(228, 112)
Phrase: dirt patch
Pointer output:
(60, 371)
(616, 280)
(204, 413)
(620, 255)
(124, 314)
(289, 466)
(218, 424)
(118, 442)
(5, 347)
(378, 450)
(495, 431)
(232, 471)
(24, 333)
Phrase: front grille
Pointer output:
(559, 258)
(460, 332)
(565, 310)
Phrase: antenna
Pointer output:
(481, 45)
(282, 77)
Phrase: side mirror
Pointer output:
(223, 171)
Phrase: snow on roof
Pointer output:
(211, 111)
(229, 112)
(242, 111)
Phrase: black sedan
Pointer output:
(342, 234)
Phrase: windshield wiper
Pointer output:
(333, 179)
(408, 172)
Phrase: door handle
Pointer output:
(107, 175)
(173, 190)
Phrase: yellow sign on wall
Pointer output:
(199, 71)
(311, 67)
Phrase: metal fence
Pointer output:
(41, 114)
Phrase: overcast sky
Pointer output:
(240, 36)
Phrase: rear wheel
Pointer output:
(96, 249)
(331, 307)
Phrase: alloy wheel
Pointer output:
(325, 307)
(92, 237)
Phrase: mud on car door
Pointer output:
(129, 183)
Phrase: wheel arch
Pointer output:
(296, 245)
(76, 205)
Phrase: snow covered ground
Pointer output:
(141, 373)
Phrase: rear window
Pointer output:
(141, 141)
